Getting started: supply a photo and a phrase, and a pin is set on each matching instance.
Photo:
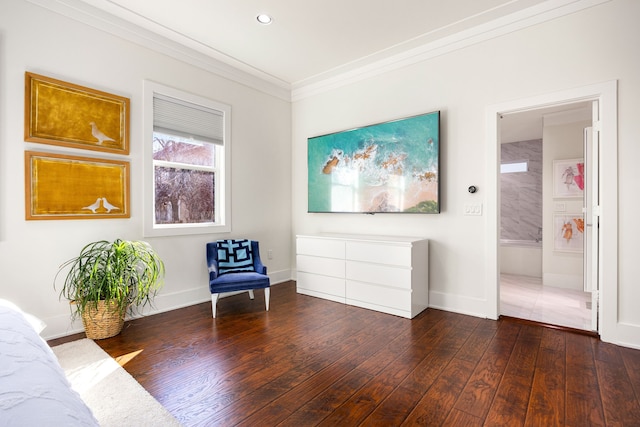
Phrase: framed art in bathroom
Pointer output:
(568, 178)
(568, 232)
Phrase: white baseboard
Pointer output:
(281, 276)
(626, 335)
(457, 304)
(60, 326)
(566, 281)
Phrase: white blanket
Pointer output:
(33, 388)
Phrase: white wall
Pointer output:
(269, 181)
(521, 260)
(584, 48)
(37, 40)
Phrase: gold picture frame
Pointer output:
(59, 186)
(66, 114)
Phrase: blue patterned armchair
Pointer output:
(235, 265)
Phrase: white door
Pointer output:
(591, 211)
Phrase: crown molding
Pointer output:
(163, 40)
(516, 21)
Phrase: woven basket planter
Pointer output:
(102, 322)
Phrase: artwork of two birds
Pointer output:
(101, 202)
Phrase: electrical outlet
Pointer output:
(474, 209)
(270, 254)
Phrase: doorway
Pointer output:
(542, 274)
(605, 270)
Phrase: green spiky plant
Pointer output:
(127, 274)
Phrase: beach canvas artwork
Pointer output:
(386, 167)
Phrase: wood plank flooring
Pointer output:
(313, 362)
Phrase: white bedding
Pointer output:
(33, 388)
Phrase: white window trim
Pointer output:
(223, 196)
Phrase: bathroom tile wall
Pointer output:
(521, 192)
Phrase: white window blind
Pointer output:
(186, 119)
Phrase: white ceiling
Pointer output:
(313, 39)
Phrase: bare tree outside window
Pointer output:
(184, 177)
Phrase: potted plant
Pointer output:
(108, 280)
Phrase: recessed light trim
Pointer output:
(264, 19)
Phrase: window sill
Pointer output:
(184, 229)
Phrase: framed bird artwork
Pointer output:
(568, 232)
(59, 186)
(66, 114)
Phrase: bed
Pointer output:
(33, 388)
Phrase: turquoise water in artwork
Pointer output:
(377, 168)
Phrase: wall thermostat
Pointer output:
(472, 189)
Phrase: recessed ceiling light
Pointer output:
(264, 19)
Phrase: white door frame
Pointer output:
(606, 94)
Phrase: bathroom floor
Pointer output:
(525, 298)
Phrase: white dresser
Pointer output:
(383, 273)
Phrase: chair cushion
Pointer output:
(234, 256)
(238, 282)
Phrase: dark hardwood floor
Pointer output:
(314, 362)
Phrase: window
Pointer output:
(514, 167)
(187, 163)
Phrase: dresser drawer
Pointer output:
(327, 248)
(324, 266)
(364, 294)
(379, 253)
(397, 277)
(322, 286)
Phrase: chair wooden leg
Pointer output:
(251, 295)
(214, 302)
(267, 294)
